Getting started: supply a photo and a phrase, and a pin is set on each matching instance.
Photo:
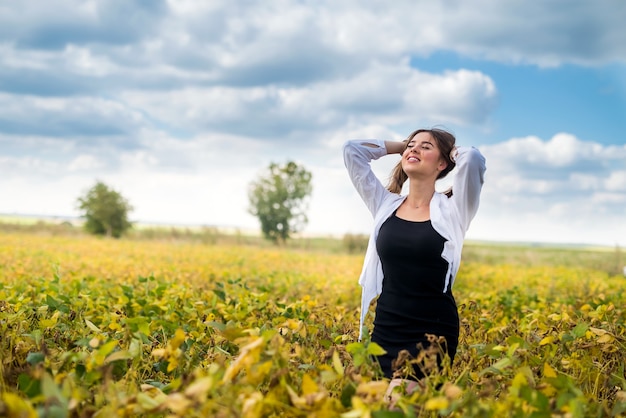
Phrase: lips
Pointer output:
(412, 159)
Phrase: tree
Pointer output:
(279, 200)
(105, 211)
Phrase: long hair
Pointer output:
(445, 142)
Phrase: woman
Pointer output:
(414, 251)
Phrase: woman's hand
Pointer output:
(453, 154)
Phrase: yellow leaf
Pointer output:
(159, 352)
(91, 326)
(49, 323)
(302, 331)
(146, 402)
(359, 409)
(438, 403)
(118, 355)
(606, 338)
(146, 387)
(548, 390)
(295, 399)
(199, 388)
(519, 380)
(308, 385)
(246, 351)
(598, 331)
(172, 363)
(14, 406)
(94, 342)
(337, 365)
(177, 403)
(107, 348)
(547, 340)
(372, 388)
(252, 406)
(548, 371)
(259, 372)
(554, 317)
(114, 326)
(293, 325)
(179, 338)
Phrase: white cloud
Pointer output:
(616, 182)
(65, 117)
(562, 190)
(390, 94)
(84, 162)
(184, 102)
(566, 204)
(177, 44)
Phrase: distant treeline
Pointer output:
(610, 260)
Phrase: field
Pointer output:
(164, 327)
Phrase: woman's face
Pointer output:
(422, 156)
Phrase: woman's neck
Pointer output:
(420, 193)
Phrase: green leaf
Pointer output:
(128, 291)
(353, 348)
(35, 358)
(52, 302)
(580, 330)
(52, 411)
(138, 323)
(375, 349)
(106, 348)
(498, 366)
(502, 364)
(31, 387)
(51, 391)
(347, 393)
(220, 294)
(387, 414)
(217, 325)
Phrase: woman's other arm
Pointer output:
(395, 147)
(468, 182)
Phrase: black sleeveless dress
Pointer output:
(412, 302)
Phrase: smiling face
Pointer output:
(422, 157)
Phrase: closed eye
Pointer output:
(426, 146)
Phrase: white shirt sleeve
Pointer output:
(357, 155)
(467, 184)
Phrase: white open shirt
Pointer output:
(450, 217)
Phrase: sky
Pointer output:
(179, 105)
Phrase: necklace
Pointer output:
(418, 206)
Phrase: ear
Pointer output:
(442, 164)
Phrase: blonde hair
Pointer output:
(445, 142)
